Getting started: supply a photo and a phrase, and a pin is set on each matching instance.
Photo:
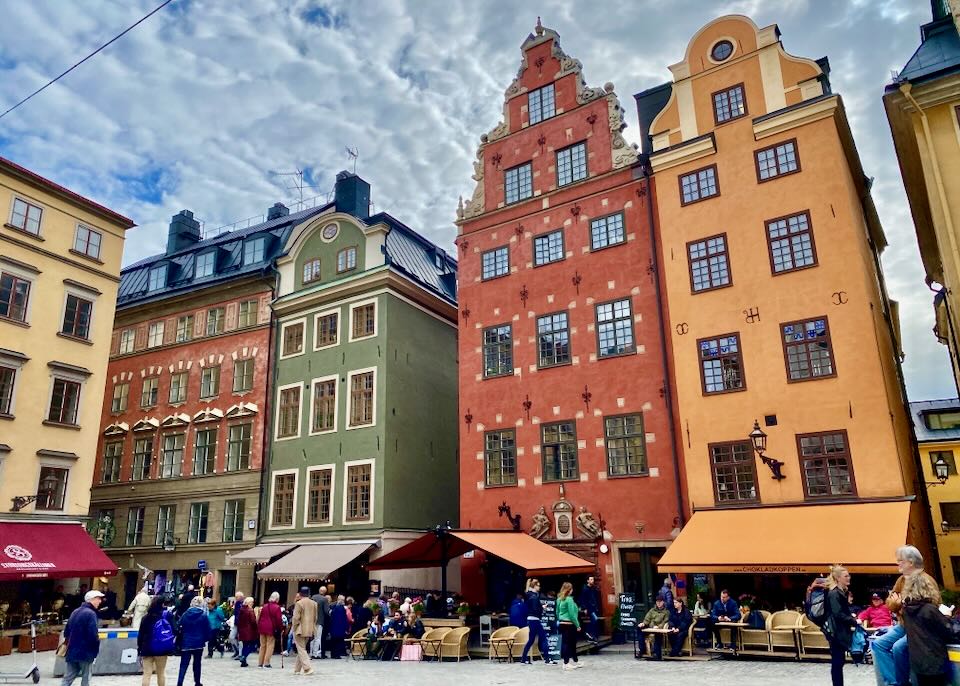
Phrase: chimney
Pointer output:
(278, 210)
(184, 231)
(352, 195)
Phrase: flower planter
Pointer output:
(6, 645)
(44, 642)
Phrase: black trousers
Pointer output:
(932, 680)
(676, 642)
(568, 642)
(838, 655)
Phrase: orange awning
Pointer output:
(796, 539)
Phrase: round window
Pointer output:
(721, 51)
(330, 232)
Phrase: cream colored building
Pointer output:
(59, 270)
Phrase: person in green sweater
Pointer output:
(568, 616)
(656, 618)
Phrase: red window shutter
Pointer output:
(230, 320)
(200, 324)
(169, 330)
(140, 340)
(115, 343)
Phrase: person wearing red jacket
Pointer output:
(877, 614)
(269, 625)
(247, 630)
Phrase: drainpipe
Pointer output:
(664, 358)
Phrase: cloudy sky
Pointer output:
(207, 104)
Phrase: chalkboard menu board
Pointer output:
(628, 620)
(549, 621)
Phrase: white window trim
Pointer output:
(349, 392)
(336, 403)
(24, 275)
(90, 229)
(158, 267)
(90, 297)
(133, 342)
(316, 319)
(306, 492)
(276, 420)
(273, 484)
(283, 329)
(346, 486)
(376, 318)
(16, 364)
(213, 269)
(35, 203)
(162, 325)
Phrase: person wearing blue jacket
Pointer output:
(194, 634)
(83, 640)
(534, 612)
(338, 629)
(589, 602)
(725, 609)
(518, 612)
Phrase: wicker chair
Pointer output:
(519, 640)
(358, 643)
(433, 649)
(454, 644)
(757, 638)
(782, 626)
(501, 643)
(812, 640)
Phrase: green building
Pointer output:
(363, 453)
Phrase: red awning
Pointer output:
(50, 550)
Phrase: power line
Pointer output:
(112, 40)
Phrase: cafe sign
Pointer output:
(22, 561)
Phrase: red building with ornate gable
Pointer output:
(564, 393)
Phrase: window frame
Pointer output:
(175, 467)
(546, 235)
(726, 257)
(184, 329)
(112, 462)
(30, 204)
(702, 197)
(786, 356)
(540, 109)
(67, 383)
(210, 382)
(142, 461)
(606, 227)
(17, 278)
(85, 251)
(506, 183)
(217, 317)
(484, 346)
(7, 397)
(242, 461)
(155, 332)
(335, 378)
(251, 247)
(540, 364)
(543, 452)
(948, 456)
(202, 518)
(597, 324)
(209, 451)
(241, 365)
(236, 526)
(77, 328)
(317, 344)
(127, 336)
(748, 446)
(60, 495)
(721, 356)
(607, 438)
(727, 91)
(182, 388)
(295, 473)
(134, 534)
(494, 252)
(302, 322)
(353, 308)
(280, 407)
(346, 252)
(170, 523)
(157, 277)
(332, 469)
(120, 399)
(350, 426)
(155, 391)
(311, 267)
(570, 149)
(803, 459)
(209, 259)
(773, 147)
(770, 241)
(253, 312)
(501, 453)
(348, 521)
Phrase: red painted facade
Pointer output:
(638, 511)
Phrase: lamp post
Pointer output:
(442, 532)
(759, 440)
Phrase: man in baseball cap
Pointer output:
(82, 638)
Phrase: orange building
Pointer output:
(770, 247)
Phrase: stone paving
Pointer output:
(597, 670)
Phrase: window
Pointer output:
(204, 452)
(311, 270)
(346, 259)
(171, 457)
(734, 473)
(950, 513)
(166, 517)
(626, 445)
(729, 104)
(777, 160)
(942, 420)
(947, 456)
(238, 447)
(495, 263)
(548, 248)
(184, 328)
(807, 348)
(288, 420)
(135, 526)
(248, 313)
(52, 489)
(791, 243)
(358, 492)
(324, 405)
(699, 185)
(721, 51)
(540, 104)
(155, 335)
(498, 351)
(500, 457)
(210, 382)
(284, 486)
(233, 521)
(206, 264)
(326, 330)
(178, 387)
(364, 320)
(243, 375)
(7, 378)
(572, 164)
(127, 337)
(87, 241)
(112, 454)
(197, 529)
(709, 267)
(293, 339)
(14, 293)
(721, 367)
(319, 494)
(607, 231)
(615, 329)
(518, 183)
(121, 394)
(553, 340)
(64, 402)
(215, 319)
(827, 469)
(157, 278)
(26, 216)
(253, 250)
(142, 458)
(559, 448)
(149, 392)
(361, 399)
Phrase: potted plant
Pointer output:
(46, 640)
(6, 642)
(617, 637)
(418, 606)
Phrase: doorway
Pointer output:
(638, 569)
(228, 583)
(131, 581)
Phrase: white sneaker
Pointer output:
(568, 668)
(577, 665)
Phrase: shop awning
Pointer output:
(50, 550)
(260, 554)
(795, 539)
(535, 556)
(315, 560)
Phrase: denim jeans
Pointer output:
(536, 633)
(77, 669)
(593, 629)
(890, 658)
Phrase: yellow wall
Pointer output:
(26, 433)
(948, 544)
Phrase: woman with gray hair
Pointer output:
(270, 626)
(194, 634)
(928, 630)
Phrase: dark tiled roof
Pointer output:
(926, 434)
(649, 104)
(419, 259)
(938, 53)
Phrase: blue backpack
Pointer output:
(162, 639)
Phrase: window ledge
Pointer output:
(572, 479)
(15, 322)
(627, 476)
(85, 256)
(71, 337)
(502, 375)
(553, 366)
(61, 425)
(6, 415)
(628, 353)
(487, 486)
(34, 236)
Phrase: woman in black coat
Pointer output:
(154, 662)
(927, 630)
(839, 623)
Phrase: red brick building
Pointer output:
(563, 389)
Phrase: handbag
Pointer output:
(62, 649)
(411, 652)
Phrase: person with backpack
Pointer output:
(155, 641)
(194, 634)
(839, 623)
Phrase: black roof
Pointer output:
(938, 54)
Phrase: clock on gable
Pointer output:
(330, 232)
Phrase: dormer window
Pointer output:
(943, 420)
(206, 264)
(254, 250)
(540, 104)
(158, 278)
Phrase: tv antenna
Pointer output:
(297, 183)
(353, 154)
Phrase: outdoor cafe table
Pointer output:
(395, 641)
(735, 628)
(651, 630)
(435, 642)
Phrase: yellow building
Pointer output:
(769, 248)
(923, 108)
(59, 270)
